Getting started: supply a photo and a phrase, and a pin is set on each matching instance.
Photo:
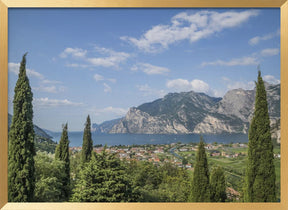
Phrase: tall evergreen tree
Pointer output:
(217, 185)
(200, 184)
(21, 169)
(103, 179)
(260, 172)
(62, 153)
(87, 146)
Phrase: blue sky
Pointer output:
(103, 61)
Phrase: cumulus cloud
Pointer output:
(199, 86)
(105, 57)
(46, 102)
(191, 27)
(179, 85)
(148, 91)
(149, 69)
(74, 52)
(185, 85)
(112, 60)
(255, 40)
(271, 79)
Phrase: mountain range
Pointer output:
(191, 112)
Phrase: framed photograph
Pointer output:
(139, 105)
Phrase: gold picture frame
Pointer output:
(6, 4)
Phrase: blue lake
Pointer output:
(76, 138)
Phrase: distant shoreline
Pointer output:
(76, 138)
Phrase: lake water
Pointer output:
(76, 138)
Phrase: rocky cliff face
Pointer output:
(104, 127)
(190, 112)
(237, 103)
(137, 121)
(215, 125)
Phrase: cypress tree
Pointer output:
(103, 179)
(260, 172)
(62, 153)
(21, 169)
(217, 185)
(200, 184)
(87, 146)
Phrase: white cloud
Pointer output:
(255, 40)
(269, 52)
(98, 77)
(107, 57)
(271, 79)
(109, 110)
(244, 85)
(76, 65)
(75, 52)
(49, 89)
(254, 59)
(46, 81)
(112, 59)
(244, 61)
(185, 85)
(150, 69)
(192, 27)
(179, 85)
(46, 102)
(107, 88)
(14, 68)
(199, 86)
(148, 91)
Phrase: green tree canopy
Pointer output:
(260, 172)
(103, 179)
(21, 169)
(217, 185)
(200, 184)
(49, 175)
(87, 146)
(62, 154)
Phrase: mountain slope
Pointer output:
(104, 127)
(43, 141)
(190, 112)
(175, 113)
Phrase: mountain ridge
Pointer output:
(191, 112)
